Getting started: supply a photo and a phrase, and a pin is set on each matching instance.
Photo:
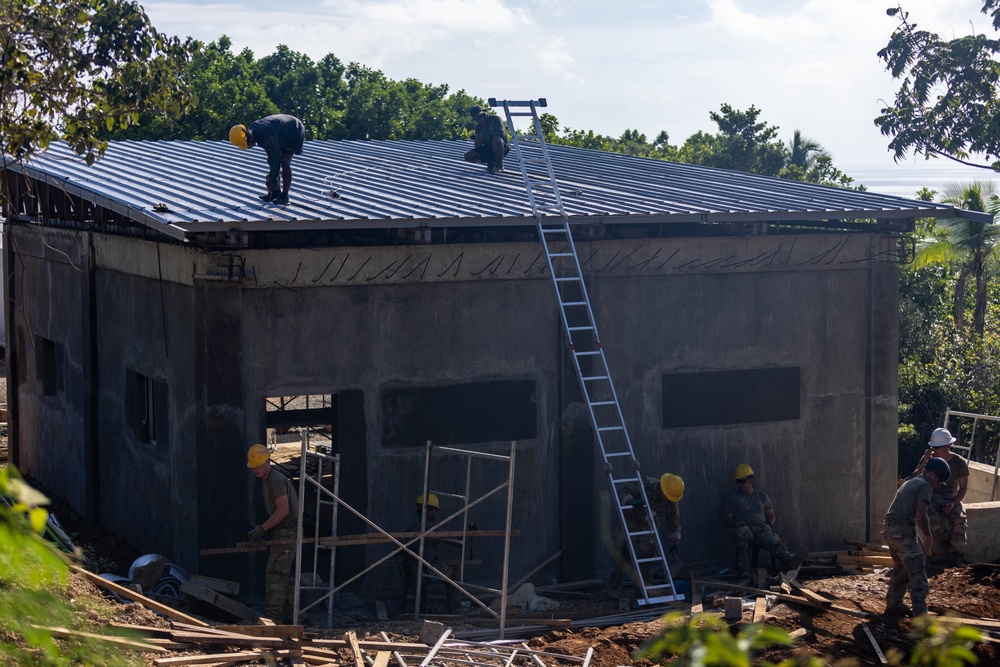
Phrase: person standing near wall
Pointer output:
(907, 532)
(282, 505)
(281, 136)
(949, 523)
(751, 519)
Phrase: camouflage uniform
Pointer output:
(635, 520)
(899, 529)
(485, 133)
(749, 511)
(949, 530)
(277, 579)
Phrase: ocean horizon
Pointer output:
(906, 179)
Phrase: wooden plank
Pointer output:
(351, 638)
(265, 621)
(355, 540)
(129, 594)
(805, 592)
(223, 586)
(697, 606)
(281, 631)
(800, 633)
(845, 559)
(218, 600)
(215, 658)
(722, 585)
(149, 629)
(867, 545)
(228, 640)
(878, 649)
(382, 659)
(124, 642)
(759, 610)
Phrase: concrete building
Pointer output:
(155, 305)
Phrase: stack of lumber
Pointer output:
(287, 644)
(859, 558)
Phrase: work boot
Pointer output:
(267, 197)
(897, 610)
(280, 200)
(796, 561)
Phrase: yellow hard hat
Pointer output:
(432, 501)
(238, 136)
(257, 455)
(672, 486)
(742, 470)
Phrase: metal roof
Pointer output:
(211, 186)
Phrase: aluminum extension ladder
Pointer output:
(585, 345)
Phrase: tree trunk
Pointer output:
(979, 314)
(960, 287)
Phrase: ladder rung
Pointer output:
(648, 560)
(659, 600)
(587, 354)
(622, 480)
(642, 533)
(630, 479)
(569, 279)
(521, 113)
(603, 403)
(561, 254)
(611, 428)
(659, 586)
(573, 303)
(587, 328)
(558, 230)
(595, 378)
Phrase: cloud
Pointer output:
(555, 59)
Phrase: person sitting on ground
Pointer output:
(281, 136)
(907, 544)
(490, 144)
(751, 518)
(949, 523)
(664, 493)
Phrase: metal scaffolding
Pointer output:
(413, 546)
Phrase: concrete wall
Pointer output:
(362, 320)
(984, 532)
(982, 487)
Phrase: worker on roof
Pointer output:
(751, 518)
(949, 523)
(490, 143)
(281, 136)
(907, 544)
(282, 505)
(663, 494)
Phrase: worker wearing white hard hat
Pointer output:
(948, 520)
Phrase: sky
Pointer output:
(650, 65)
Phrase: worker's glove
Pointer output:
(637, 504)
(257, 533)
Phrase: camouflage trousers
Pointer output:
(908, 571)
(280, 590)
(644, 548)
(744, 537)
(949, 530)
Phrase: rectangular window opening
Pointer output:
(718, 398)
(288, 417)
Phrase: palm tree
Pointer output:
(969, 244)
(802, 151)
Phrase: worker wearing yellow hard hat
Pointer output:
(662, 495)
(282, 505)
(281, 136)
(751, 517)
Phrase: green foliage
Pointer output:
(706, 640)
(742, 143)
(334, 101)
(32, 576)
(75, 68)
(947, 100)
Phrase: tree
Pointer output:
(742, 143)
(803, 152)
(947, 103)
(74, 68)
(969, 244)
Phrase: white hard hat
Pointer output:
(941, 437)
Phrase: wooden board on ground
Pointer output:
(696, 605)
(218, 600)
(878, 649)
(280, 631)
(223, 586)
(124, 642)
(867, 545)
(759, 609)
(722, 585)
(215, 658)
(129, 594)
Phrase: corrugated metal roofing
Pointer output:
(211, 186)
